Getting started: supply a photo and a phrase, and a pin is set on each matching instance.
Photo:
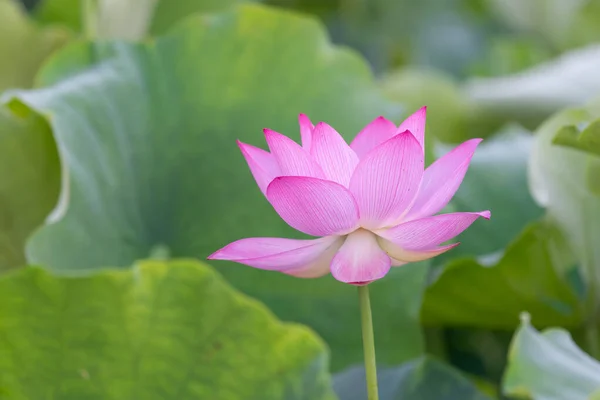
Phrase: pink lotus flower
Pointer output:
(371, 202)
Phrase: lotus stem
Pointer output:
(368, 342)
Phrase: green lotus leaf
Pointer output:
(161, 330)
(549, 366)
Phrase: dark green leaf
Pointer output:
(530, 276)
(30, 182)
(421, 379)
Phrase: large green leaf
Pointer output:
(149, 133)
(565, 180)
(529, 277)
(420, 379)
(23, 45)
(30, 181)
(549, 366)
(160, 15)
(158, 331)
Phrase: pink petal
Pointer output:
(302, 258)
(262, 164)
(386, 181)
(376, 132)
(406, 256)
(292, 159)
(306, 128)
(360, 260)
(314, 206)
(415, 123)
(442, 179)
(427, 233)
(420, 239)
(333, 154)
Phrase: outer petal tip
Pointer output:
(485, 214)
(416, 124)
(304, 121)
(442, 179)
(470, 145)
(407, 132)
(217, 255)
(306, 129)
(242, 145)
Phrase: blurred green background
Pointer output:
(119, 174)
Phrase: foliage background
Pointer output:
(119, 171)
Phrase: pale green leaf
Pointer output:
(564, 180)
(157, 331)
(148, 135)
(23, 45)
(549, 366)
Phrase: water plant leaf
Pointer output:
(161, 330)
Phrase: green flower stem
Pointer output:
(368, 342)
